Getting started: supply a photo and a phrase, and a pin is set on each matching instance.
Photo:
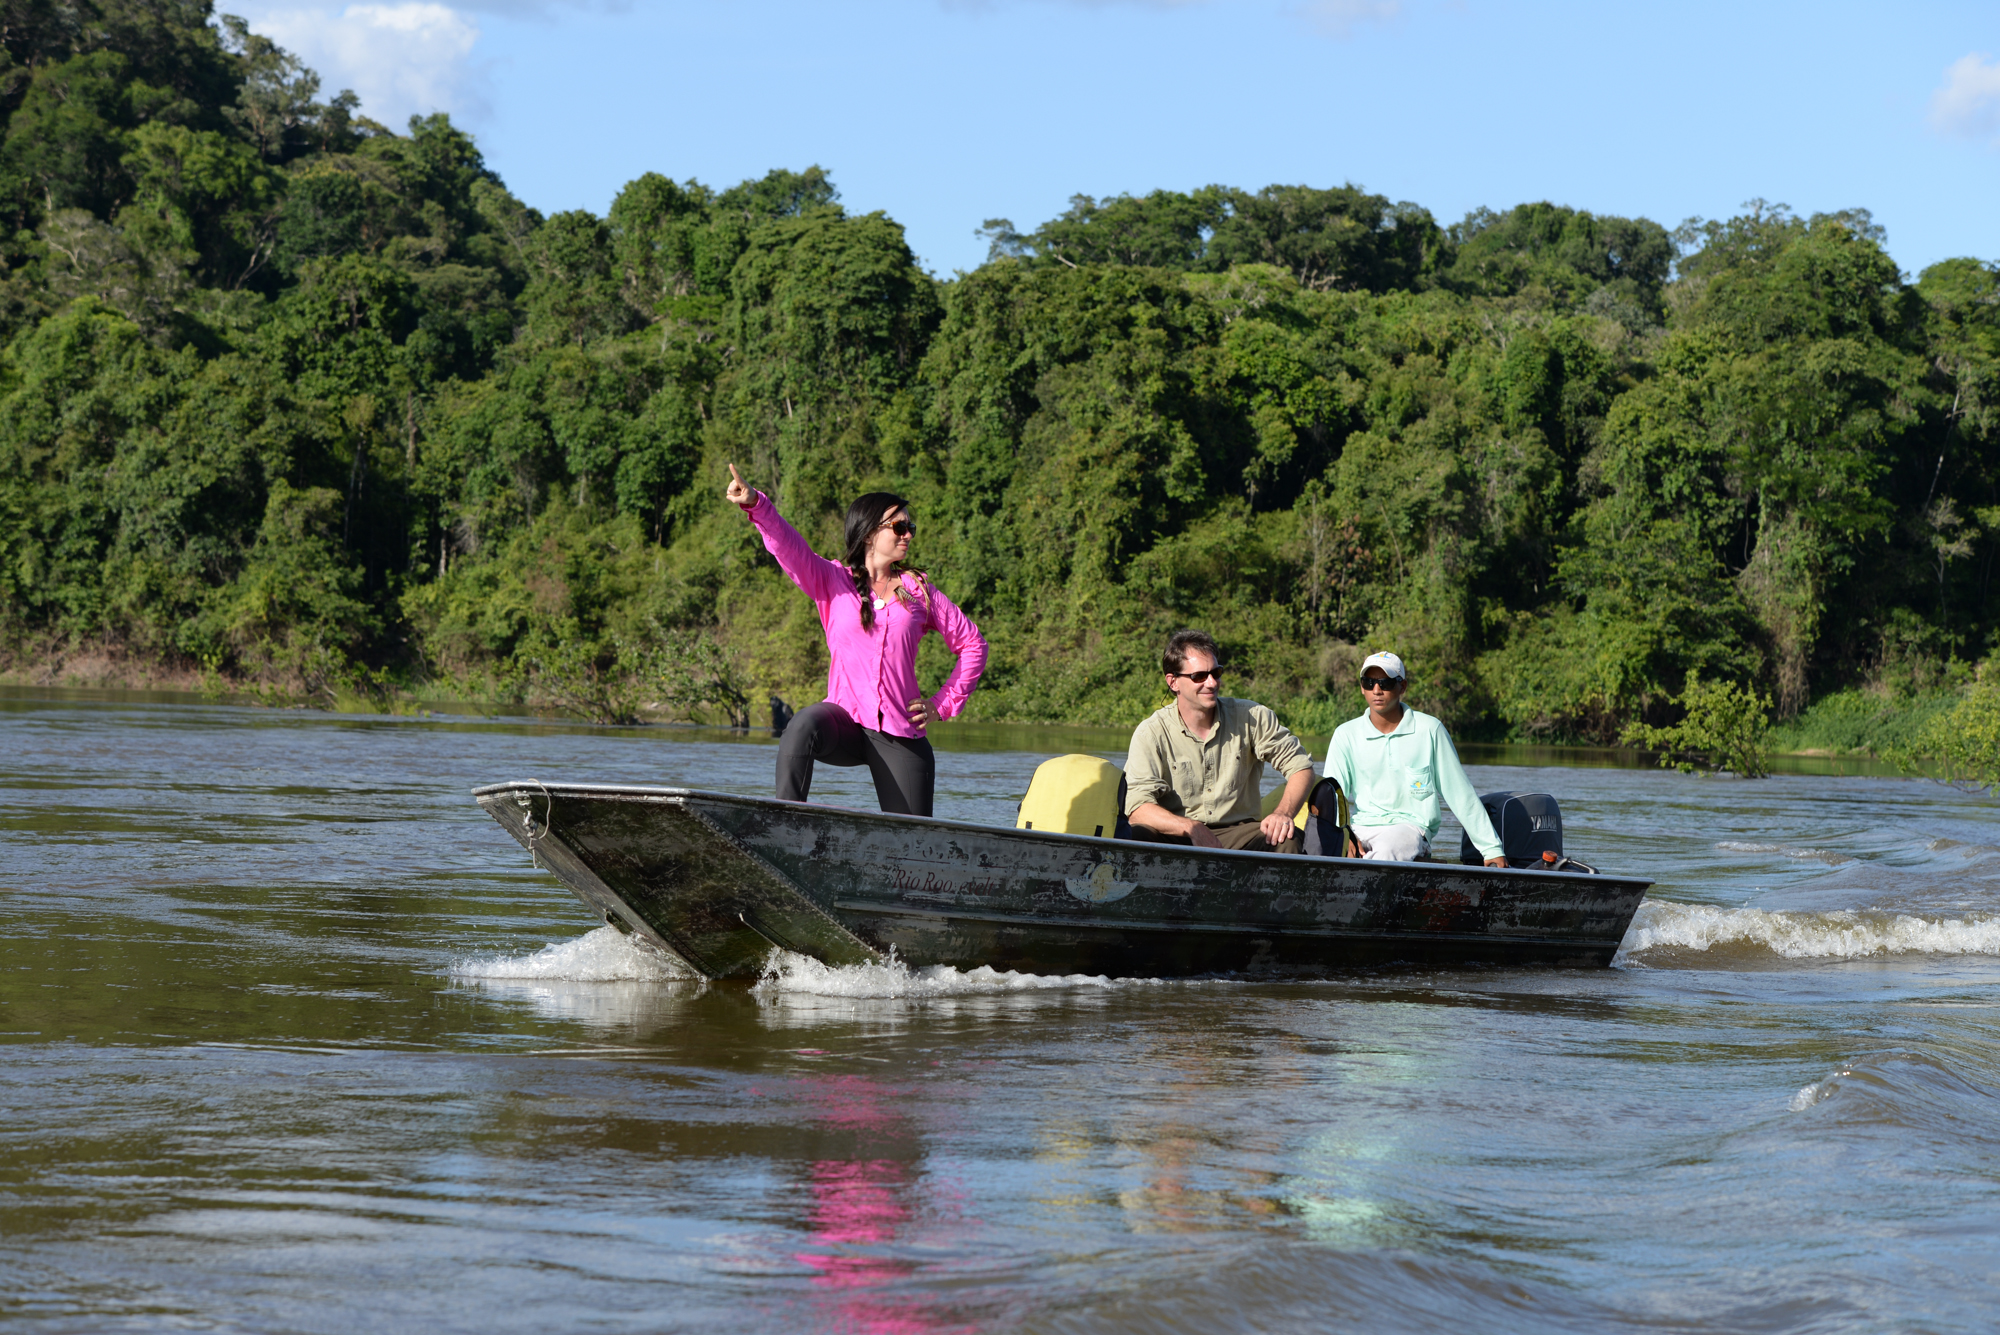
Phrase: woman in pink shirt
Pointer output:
(875, 611)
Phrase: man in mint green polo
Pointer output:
(1394, 763)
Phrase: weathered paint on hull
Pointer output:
(716, 880)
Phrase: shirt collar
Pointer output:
(1402, 725)
(1221, 708)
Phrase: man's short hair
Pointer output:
(1175, 658)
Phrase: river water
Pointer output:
(295, 1039)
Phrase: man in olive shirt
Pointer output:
(1195, 771)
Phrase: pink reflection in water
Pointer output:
(861, 1204)
(856, 1203)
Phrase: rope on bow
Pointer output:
(527, 804)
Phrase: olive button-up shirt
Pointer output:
(1217, 780)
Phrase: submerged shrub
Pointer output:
(1726, 729)
(1962, 748)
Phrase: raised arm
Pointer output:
(822, 579)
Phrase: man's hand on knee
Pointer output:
(1277, 828)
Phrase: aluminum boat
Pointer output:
(714, 881)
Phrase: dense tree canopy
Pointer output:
(292, 398)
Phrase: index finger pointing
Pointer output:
(735, 476)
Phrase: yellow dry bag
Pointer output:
(1072, 795)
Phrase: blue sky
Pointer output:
(944, 113)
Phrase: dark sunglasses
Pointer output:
(1199, 677)
(902, 528)
(1380, 683)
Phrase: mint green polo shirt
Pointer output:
(1396, 778)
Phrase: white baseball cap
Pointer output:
(1392, 666)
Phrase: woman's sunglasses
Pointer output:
(902, 528)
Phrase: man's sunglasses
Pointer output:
(1199, 677)
(1380, 683)
(902, 528)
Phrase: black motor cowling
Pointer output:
(1529, 825)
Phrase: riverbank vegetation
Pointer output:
(295, 401)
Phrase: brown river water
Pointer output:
(294, 1039)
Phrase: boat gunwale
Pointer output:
(652, 793)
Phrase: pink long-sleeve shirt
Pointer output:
(873, 675)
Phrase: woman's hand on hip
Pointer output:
(923, 714)
(738, 492)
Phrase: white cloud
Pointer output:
(1339, 18)
(1968, 102)
(403, 59)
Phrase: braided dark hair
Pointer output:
(863, 518)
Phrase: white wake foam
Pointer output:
(787, 973)
(606, 955)
(1844, 934)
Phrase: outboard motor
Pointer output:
(1530, 826)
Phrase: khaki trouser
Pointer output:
(1247, 835)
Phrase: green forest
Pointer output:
(298, 403)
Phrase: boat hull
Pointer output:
(715, 880)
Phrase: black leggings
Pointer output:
(904, 768)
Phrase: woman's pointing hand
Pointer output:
(738, 492)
